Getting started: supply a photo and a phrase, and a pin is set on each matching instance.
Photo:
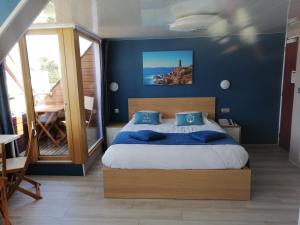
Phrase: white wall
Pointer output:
(295, 132)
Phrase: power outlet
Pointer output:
(225, 110)
(117, 111)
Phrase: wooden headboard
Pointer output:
(169, 106)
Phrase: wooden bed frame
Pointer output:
(225, 184)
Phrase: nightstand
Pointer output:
(112, 130)
(234, 131)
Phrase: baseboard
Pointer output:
(56, 169)
(260, 145)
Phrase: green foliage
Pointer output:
(51, 67)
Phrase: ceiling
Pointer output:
(144, 19)
(294, 9)
(294, 19)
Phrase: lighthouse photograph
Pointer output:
(168, 67)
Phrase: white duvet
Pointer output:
(145, 156)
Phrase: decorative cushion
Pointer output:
(207, 136)
(146, 135)
(146, 117)
(151, 111)
(189, 118)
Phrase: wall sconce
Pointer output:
(114, 86)
(225, 84)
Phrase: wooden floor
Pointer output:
(79, 201)
(47, 148)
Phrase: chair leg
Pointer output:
(61, 133)
(14, 182)
(36, 185)
(36, 195)
(4, 208)
(31, 181)
(16, 186)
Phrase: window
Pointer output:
(91, 77)
(16, 95)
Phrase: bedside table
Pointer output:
(112, 130)
(234, 131)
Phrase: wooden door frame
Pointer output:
(65, 92)
(283, 82)
(29, 93)
(88, 37)
(72, 91)
(85, 34)
(75, 89)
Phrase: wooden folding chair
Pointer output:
(46, 125)
(89, 106)
(16, 172)
(3, 185)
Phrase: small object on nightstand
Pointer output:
(234, 131)
(112, 130)
(225, 122)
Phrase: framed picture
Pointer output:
(168, 67)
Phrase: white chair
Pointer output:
(89, 106)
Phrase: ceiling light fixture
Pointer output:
(194, 22)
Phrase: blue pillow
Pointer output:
(146, 135)
(146, 118)
(187, 119)
(207, 136)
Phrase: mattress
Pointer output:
(147, 156)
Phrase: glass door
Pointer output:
(54, 82)
(48, 85)
(16, 96)
(91, 83)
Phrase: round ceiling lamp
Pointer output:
(194, 22)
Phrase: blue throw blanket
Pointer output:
(125, 137)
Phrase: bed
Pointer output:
(176, 171)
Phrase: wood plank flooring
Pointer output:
(47, 148)
(79, 201)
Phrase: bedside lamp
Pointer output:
(114, 86)
(225, 84)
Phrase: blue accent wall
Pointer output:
(254, 71)
(6, 7)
